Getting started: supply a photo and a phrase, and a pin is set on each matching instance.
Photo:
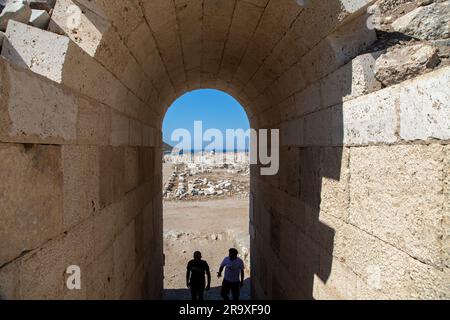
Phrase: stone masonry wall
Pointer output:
(359, 208)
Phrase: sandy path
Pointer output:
(188, 227)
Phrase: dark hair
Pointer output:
(233, 252)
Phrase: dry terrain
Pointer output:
(211, 226)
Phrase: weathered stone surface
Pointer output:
(446, 209)
(425, 107)
(17, 10)
(94, 123)
(41, 51)
(368, 119)
(292, 67)
(31, 188)
(385, 270)
(41, 4)
(9, 282)
(426, 22)
(43, 273)
(403, 63)
(35, 110)
(80, 168)
(120, 129)
(335, 182)
(124, 259)
(112, 175)
(100, 280)
(39, 19)
(355, 79)
(131, 168)
(396, 195)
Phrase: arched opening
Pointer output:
(206, 187)
(358, 208)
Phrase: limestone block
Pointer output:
(124, 259)
(105, 226)
(135, 133)
(41, 51)
(148, 227)
(63, 62)
(292, 132)
(100, 277)
(43, 272)
(337, 49)
(308, 100)
(148, 138)
(308, 255)
(318, 128)
(310, 181)
(9, 282)
(17, 10)
(289, 170)
(81, 183)
(139, 238)
(396, 195)
(95, 35)
(31, 188)
(120, 129)
(34, 109)
(288, 246)
(126, 16)
(131, 168)
(352, 80)
(403, 63)
(446, 208)
(112, 175)
(335, 174)
(368, 119)
(94, 123)
(46, 5)
(86, 29)
(385, 269)
(39, 19)
(146, 163)
(132, 204)
(426, 22)
(424, 107)
(340, 285)
(142, 34)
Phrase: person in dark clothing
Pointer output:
(195, 276)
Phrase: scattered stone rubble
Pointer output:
(413, 37)
(184, 185)
(188, 180)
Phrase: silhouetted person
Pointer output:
(195, 276)
(234, 267)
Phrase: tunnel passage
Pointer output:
(358, 208)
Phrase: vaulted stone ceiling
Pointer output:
(260, 51)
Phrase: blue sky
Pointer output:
(214, 108)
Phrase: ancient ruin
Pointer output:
(358, 88)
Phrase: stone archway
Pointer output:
(356, 210)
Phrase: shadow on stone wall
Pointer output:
(292, 248)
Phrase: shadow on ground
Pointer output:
(212, 294)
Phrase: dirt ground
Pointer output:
(210, 226)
